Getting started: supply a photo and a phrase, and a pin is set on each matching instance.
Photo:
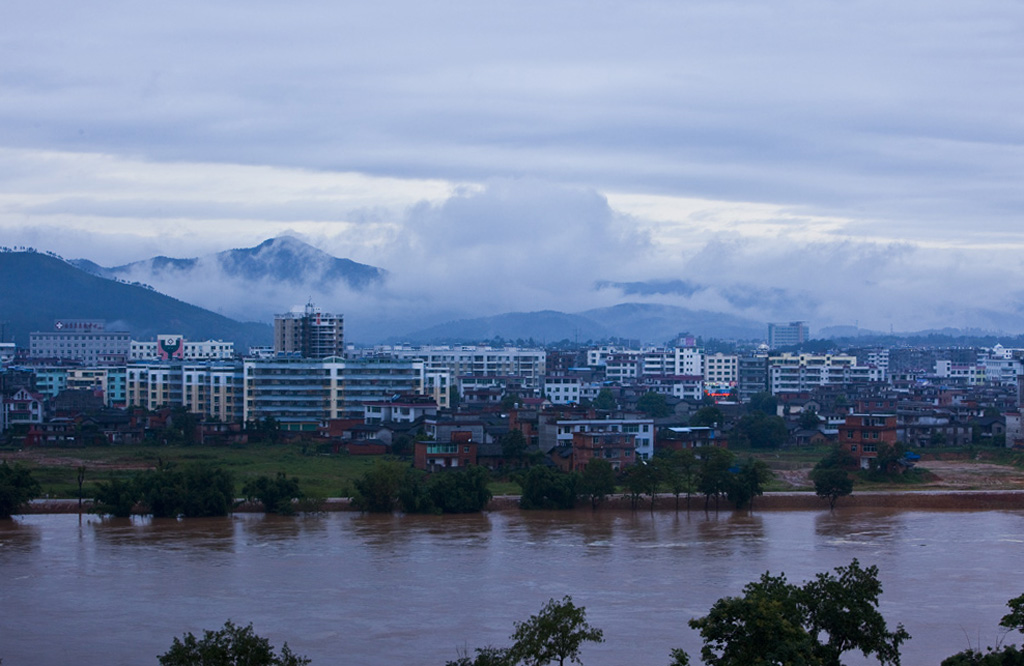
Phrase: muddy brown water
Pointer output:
(344, 588)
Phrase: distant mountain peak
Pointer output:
(282, 259)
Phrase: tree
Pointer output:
(749, 482)
(809, 419)
(713, 476)
(377, 489)
(653, 404)
(513, 445)
(451, 491)
(776, 622)
(116, 497)
(605, 400)
(831, 484)
(643, 478)
(597, 481)
(1004, 655)
(509, 402)
(275, 494)
(707, 417)
(17, 486)
(230, 646)
(763, 431)
(194, 491)
(763, 402)
(679, 470)
(555, 634)
(546, 488)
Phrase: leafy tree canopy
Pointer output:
(776, 622)
(546, 488)
(604, 400)
(597, 481)
(229, 646)
(553, 635)
(17, 486)
(707, 416)
(653, 404)
(275, 494)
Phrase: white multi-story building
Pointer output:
(562, 390)
(299, 393)
(790, 373)
(176, 347)
(684, 387)
(212, 388)
(86, 340)
(476, 361)
(971, 373)
(721, 368)
(642, 428)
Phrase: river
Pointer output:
(343, 588)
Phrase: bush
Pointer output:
(17, 486)
(275, 494)
(546, 488)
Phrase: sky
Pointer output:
(844, 163)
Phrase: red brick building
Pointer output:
(460, 451)
(863, 434)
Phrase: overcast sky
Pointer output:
(840, 162)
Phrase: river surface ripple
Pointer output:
(342, 588)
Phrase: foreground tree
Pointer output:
(230, 646)
(553, 635)
(776, 622)
(1003, 655)
(17, 486)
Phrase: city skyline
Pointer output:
(841, 164)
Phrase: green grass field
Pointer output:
(319, 475)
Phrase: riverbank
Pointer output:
(919, 500)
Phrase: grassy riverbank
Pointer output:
(332, 475)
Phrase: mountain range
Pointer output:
(37, 289)
(285, 259)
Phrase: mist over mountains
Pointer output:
(207, 297)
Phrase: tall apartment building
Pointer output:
(528, 365)
(787, 335)
(751, 376)
(310, 333)
(213, 389)
(299, 393)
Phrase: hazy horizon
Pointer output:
(841, 164)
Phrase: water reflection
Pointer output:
(410, 589)
(271, 527)
(216, 534)
(845, 528)
(17, 538)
